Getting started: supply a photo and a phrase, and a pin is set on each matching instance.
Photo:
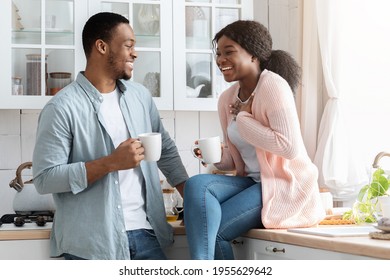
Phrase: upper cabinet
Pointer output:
(152, 24)
(197, 81)
(42, 48)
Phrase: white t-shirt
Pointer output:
(131, 181)
(247, 151)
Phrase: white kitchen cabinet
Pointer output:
(40, 249)
(152, 24)
(256, 249)
(175, 59)
(39, 38)
(54, 41)
(197, 81)
(25, 249)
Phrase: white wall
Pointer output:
(283, 18)
(17, 140)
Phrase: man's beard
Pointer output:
(117, 73)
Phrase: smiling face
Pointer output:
(122, 53)
(235, 62)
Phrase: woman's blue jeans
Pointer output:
(219, 208)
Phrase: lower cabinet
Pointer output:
(255, 249)
(25, 249)
(244, 249)
(40, 249)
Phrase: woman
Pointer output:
(276, 183)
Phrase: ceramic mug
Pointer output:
(152, 144)
(327, 202)
(210, 149)
(384, 202)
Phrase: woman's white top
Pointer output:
(247, 151)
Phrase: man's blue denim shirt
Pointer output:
(88, 219)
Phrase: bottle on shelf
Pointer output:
(17, 87)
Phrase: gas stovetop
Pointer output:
(38, 219)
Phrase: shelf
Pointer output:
(39, 30)
(33, 36)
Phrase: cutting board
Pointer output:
(336, 231)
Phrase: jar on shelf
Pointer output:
(17, 87)
(33, 69)
(59, 80)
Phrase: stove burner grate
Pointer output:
(40, 218)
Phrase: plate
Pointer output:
(384, 228)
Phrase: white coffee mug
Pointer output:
(327, 202)
(210, 149)
(152, 145)
(384, 202)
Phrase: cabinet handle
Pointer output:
(237, 242)
(275, 250)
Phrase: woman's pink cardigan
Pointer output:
(290, 191)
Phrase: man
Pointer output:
(108, 200)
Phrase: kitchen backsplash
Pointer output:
(17, 139)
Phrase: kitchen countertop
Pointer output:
(359, 245)
(31, 232)
(26, 232)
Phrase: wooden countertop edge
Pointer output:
(45, 233)
(178, 228)
(24, 234)
(363, 246)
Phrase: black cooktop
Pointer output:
(40, 218)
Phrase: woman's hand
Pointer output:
(239, 106)
(234, 109)
(198, 154)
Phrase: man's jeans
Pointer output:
(143, 245)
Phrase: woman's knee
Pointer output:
(196, 183)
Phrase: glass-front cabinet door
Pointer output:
(197, 81)
(41, 50)
(152, 24)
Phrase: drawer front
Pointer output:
(256, 249)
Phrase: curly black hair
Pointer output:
(100, 26)
(257, 41)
